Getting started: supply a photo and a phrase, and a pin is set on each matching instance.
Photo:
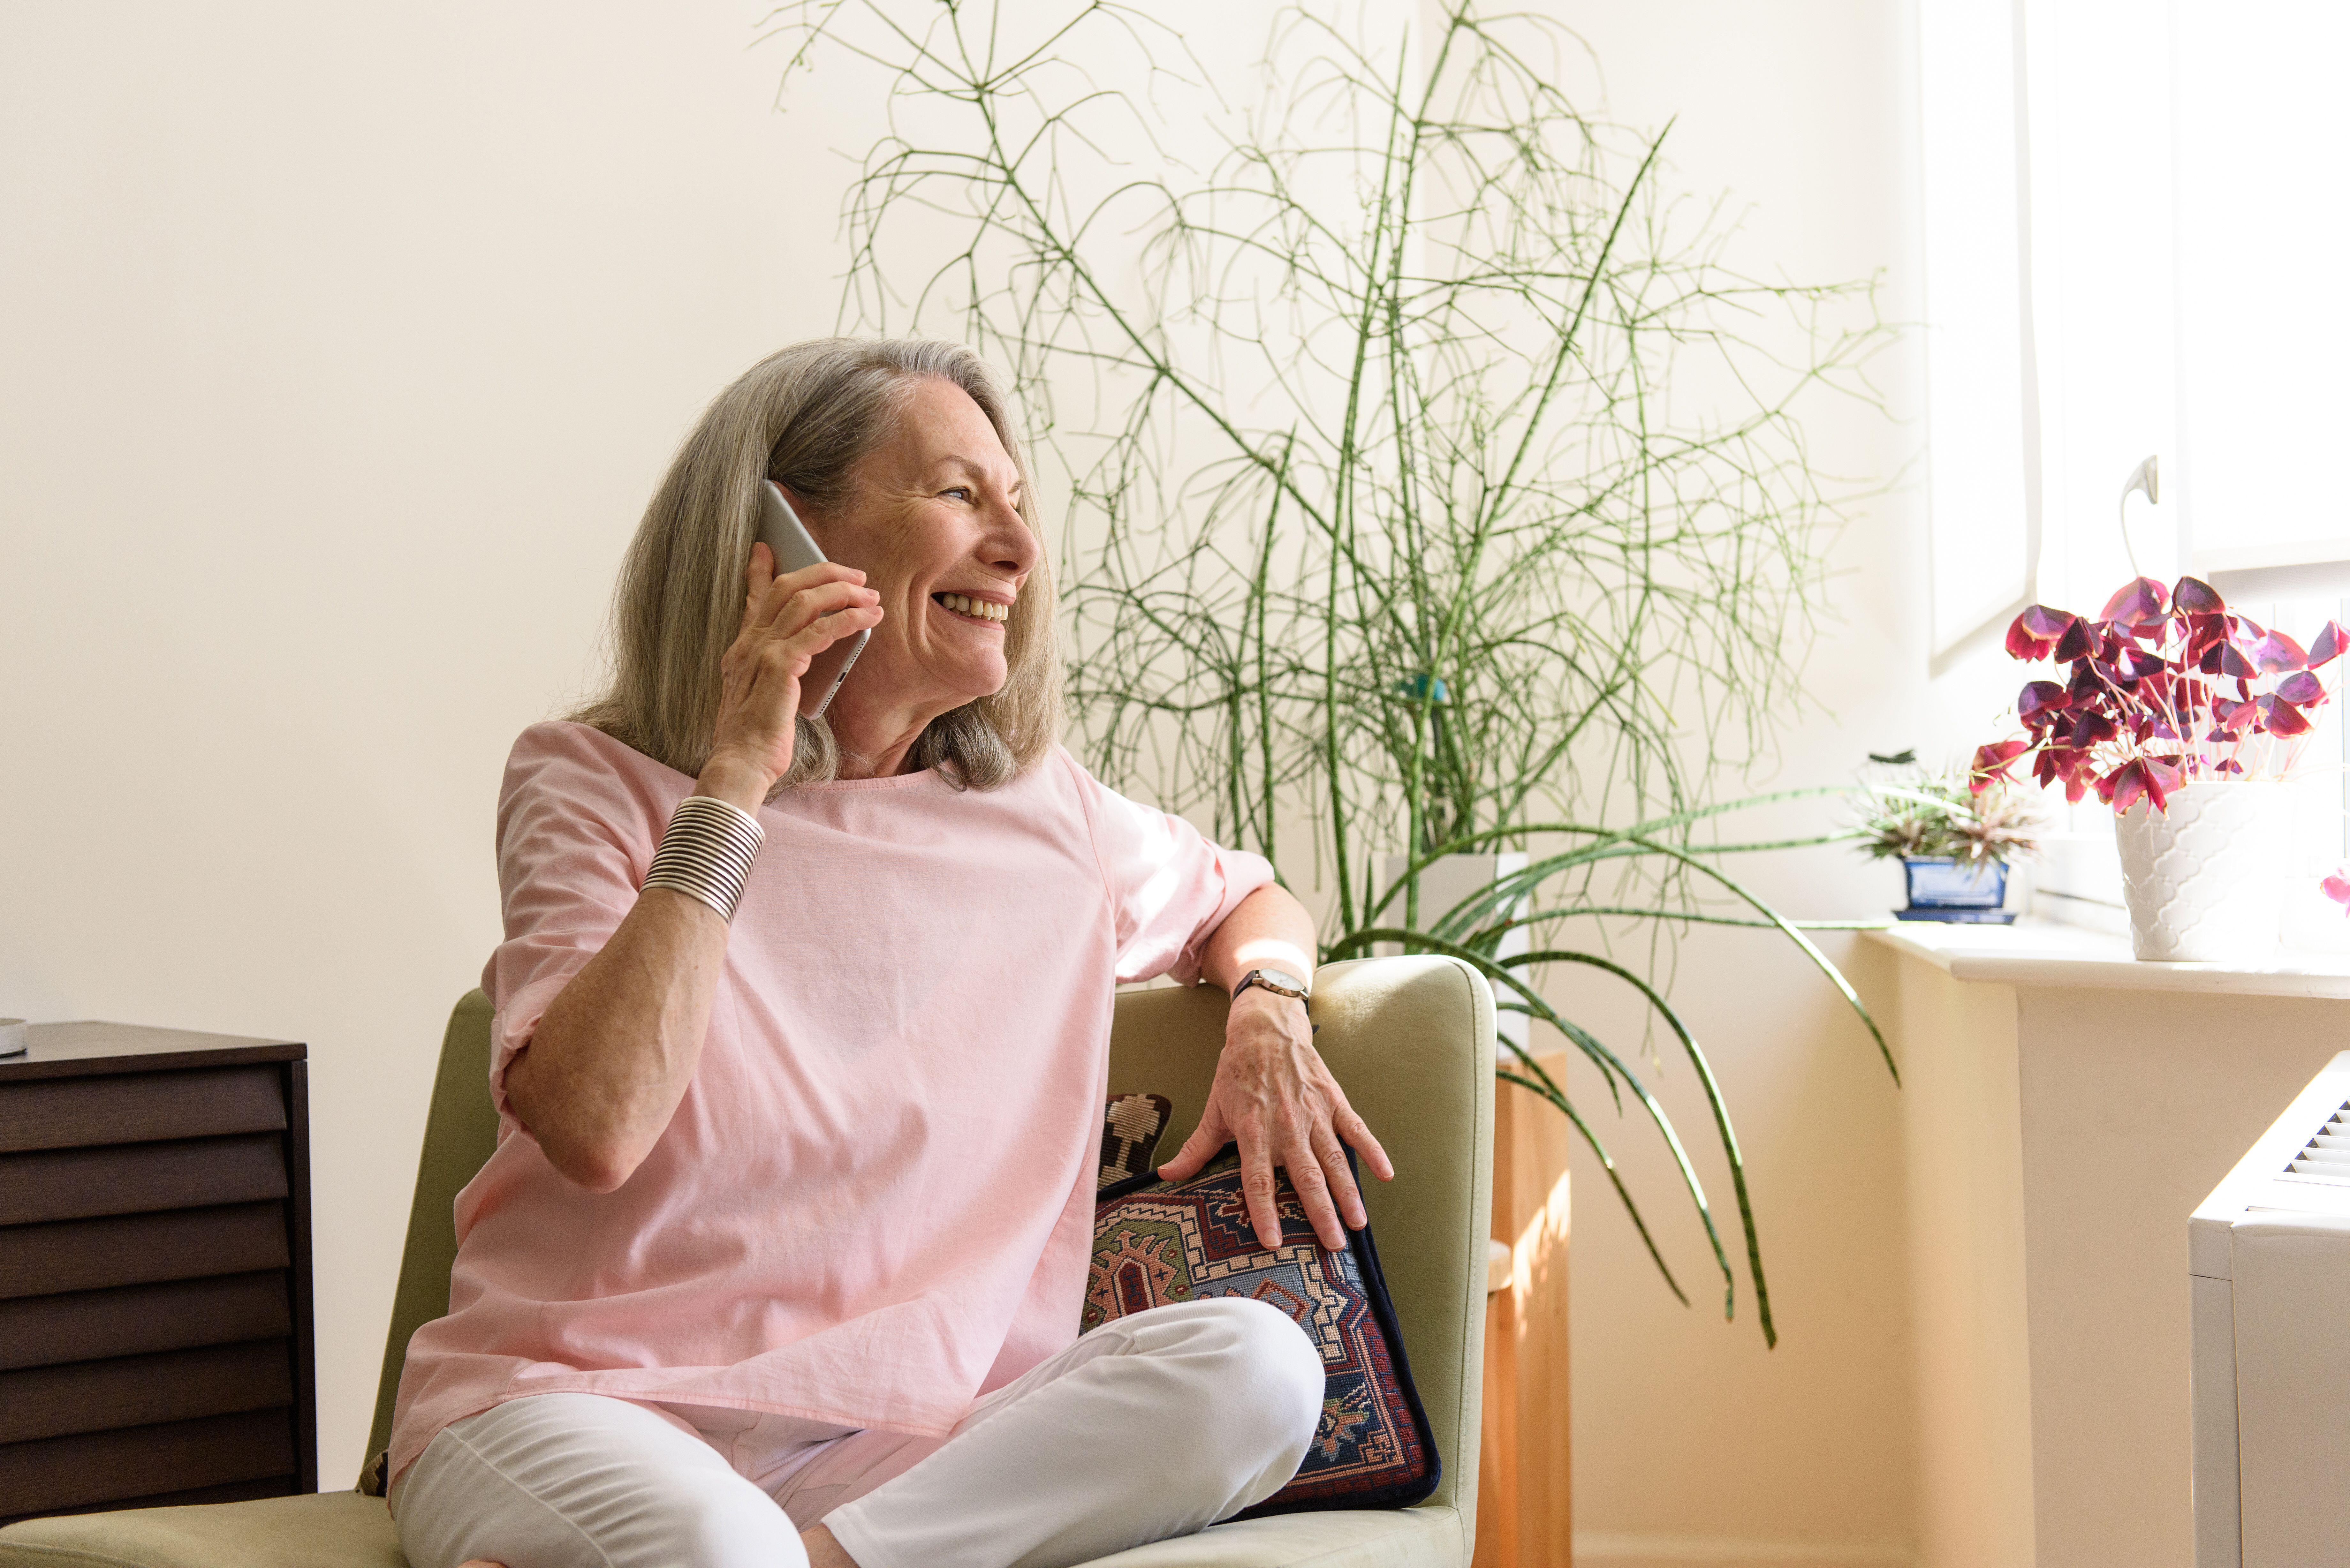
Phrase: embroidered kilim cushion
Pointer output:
(1131, 1129)
(1160, 1241)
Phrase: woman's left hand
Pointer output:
(1273, 1093)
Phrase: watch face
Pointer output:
(1283, 978)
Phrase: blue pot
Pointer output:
(1941, 888)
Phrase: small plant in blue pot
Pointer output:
(1955, 845)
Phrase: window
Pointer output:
(2262, 337)
(2131, 238)
(1983, 471)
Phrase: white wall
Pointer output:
(343, 347)
(1693, 1442)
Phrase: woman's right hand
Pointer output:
(787, 620)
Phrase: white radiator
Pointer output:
(2268, 1260)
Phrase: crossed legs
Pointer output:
(1150, 1426)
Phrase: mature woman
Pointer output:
(800, 1056)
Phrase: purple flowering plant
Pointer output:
(2164, 686)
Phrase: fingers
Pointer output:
(1330, 1160)
(1314, 1189)
(760, 573)
(798, 612)
(1357, 1131)
(769, 601)
(769, 663)
(1197, 1149)
(829, 628)
(1317, 1169)
(1257, 1187)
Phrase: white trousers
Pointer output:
(1151, 1425)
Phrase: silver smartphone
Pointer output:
(788, 537)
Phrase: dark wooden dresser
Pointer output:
(154, 1271)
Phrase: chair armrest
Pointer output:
(1411, 1042)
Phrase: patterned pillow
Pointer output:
(1130, 1128)
(1159, 1242)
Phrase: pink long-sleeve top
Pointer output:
(875, 1202)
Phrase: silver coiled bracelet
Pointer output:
(707, 851)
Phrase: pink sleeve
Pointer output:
(574, 843)
(1169, 887)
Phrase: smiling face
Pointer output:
(931, 522)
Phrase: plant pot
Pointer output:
(1942, 888)
(1444, 883)
(2204, 880)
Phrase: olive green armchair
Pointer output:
(1411, 1038)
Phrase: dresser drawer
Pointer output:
(89, 1325)
(134, 1248)
(141, 1178)
(145, 1390)
(97, 1466)
(71, 1113)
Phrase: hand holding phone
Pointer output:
(781, 530)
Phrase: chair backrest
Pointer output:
(1410, 1040)
(460, 1132)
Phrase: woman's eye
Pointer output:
(963, 490)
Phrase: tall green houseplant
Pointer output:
(1392, 532)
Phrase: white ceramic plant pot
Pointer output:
(1444, 883)
(2204, 880)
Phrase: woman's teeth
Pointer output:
(977, 609)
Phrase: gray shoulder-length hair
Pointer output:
(803, 417)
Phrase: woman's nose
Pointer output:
(1009, 546)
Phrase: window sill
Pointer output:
(2033, 953)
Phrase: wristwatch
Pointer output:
(1281, 983)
